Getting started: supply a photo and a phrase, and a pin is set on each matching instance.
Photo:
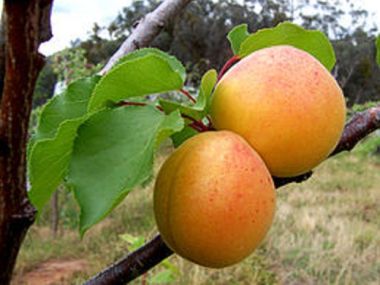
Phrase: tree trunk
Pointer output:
(26, 25)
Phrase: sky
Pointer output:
(73, 19)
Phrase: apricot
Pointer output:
(214, 199)
(286, 104)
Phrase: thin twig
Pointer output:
(147, 29)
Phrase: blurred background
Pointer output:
(326, 230)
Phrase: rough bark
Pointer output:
(152, 253)
(147, 29)
(360, 125)
(2, 53)
(26, 25)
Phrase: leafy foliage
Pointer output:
(237, 36)
(114, 153)
(174, 63)
(104, 149)
(198, 110)
(142, 74)
(197, 38)
(51, 145)
(71, 104)
(313, 42)
(71, 64)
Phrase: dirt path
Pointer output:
(53, 272)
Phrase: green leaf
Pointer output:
(134, 242)
(140, 75)
(236, 36)
(378, 50)
(162, 277)
(175, 64)
(189, 110)
(114, 153)
(170, 266)
(71, 104)
(48, 162)
(314, 42)
(182, 136)
(208, 82)
(198, 110)
(51, 146)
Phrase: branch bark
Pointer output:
(26, 25)
(155, 251)
(147, 29)
(134, 265)
(360, 125)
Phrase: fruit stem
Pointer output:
(188, 95)
(228, 65)
(196, 125)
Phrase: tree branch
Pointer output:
(153, 252)
(360, 125)
(147, 29)
(24, 23)
(134, 265)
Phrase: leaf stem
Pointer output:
(196, 125)
(188, 95)
(228, 65)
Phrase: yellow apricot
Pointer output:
(214, 199)
(286, 104)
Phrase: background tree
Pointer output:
(198, 37)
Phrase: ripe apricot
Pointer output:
(214, 199)
(286, 104)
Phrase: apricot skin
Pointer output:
(286, 104)
(214, 199)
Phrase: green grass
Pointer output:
(326, 231)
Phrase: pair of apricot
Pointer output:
(278, 112)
